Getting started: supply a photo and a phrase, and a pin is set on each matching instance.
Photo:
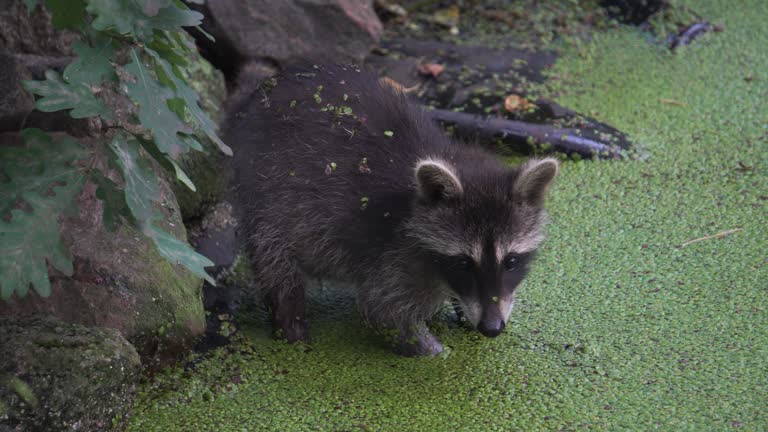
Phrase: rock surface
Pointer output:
(121, 281)
(480, 83)
(29, 45)
(22, 31)
(56, 376)
(15, 103)
(204, 169)
(17, 106)
(291, 31)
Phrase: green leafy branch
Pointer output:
(130, 73)
(43, 182)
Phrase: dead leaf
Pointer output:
(510, 18)
(431, 69)
(514, 103)
(363, 166)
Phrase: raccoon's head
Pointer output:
(481, 222)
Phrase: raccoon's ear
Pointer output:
(534, 179)
(437, 180)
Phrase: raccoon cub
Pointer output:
(339, 176)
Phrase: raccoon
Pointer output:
(341, 176)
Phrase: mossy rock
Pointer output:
(206, 172)
(63, 377)
(122, 282)
(203, 168)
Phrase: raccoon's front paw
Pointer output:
(420, 343)
(295, 330)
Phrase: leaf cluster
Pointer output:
(129, 72)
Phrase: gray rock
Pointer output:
(215, 235)
(56, 376)
(32, 33)
(291, 31)
(15, 102)
(30, 45)
(17, 106)
(205, 169)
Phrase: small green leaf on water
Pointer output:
(22, 390)
(293, 103)
(388, 133)
(445, 353)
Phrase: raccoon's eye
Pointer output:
(510, 262)
(462, 263)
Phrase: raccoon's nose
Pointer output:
(491, 328)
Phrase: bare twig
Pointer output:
(690, 33)
(567, 141)
(713, 236)
(673, 102)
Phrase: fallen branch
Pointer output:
(713, 236)
(568, 141)
(689, 34)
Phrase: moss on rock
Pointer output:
(63, 377)
(203, 168)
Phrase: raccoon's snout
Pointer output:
(491, 327)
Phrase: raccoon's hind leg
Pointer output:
(281, 284)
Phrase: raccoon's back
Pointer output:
(327, 155)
